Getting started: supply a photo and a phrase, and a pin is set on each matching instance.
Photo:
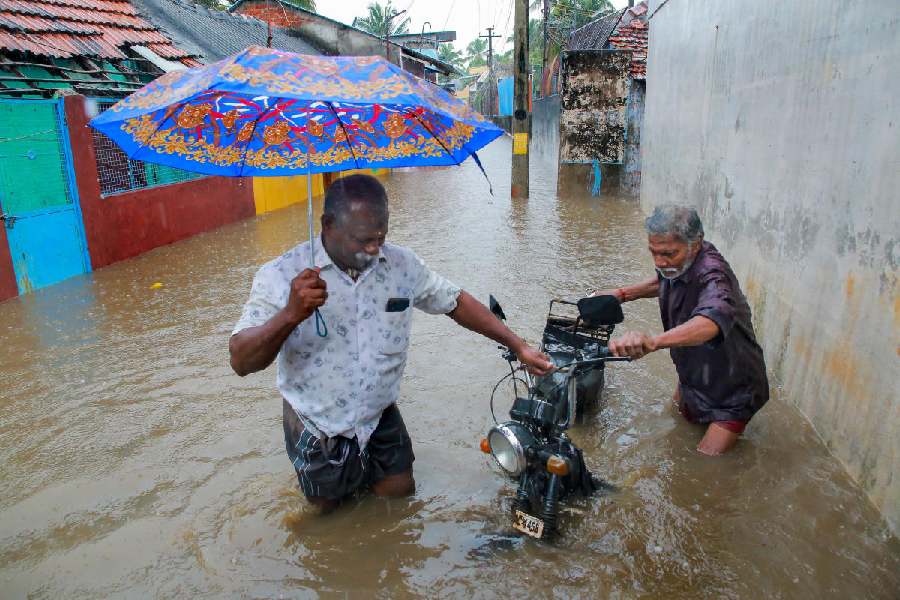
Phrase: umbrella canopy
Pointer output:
(267, 112)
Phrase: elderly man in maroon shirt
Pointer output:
(721, 372)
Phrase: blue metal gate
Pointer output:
(38, 195)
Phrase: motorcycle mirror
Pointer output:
(600, 310)
(495, 308)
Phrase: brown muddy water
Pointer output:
(135, 464)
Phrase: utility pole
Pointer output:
(521, 121)
(546, 18)
(491, 85)
(387, 36)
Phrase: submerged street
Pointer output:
(137, 464)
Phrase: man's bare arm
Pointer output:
(644, 289)
(472, 314)
(253, 349)
(693, 332)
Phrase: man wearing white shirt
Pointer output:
(343, 431)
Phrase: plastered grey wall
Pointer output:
(634, 123)
(780, 121)
(545, 128)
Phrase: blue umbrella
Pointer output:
(267, 112)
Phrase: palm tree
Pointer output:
(475, 52)
(581, 5)
(450, 55)
(380, 21)
(535, 41)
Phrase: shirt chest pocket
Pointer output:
(393, 331)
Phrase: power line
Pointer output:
(447, 20)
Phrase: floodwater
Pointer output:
(135, 464)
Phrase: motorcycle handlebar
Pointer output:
(510, 356)
(593, 361)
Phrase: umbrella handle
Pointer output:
(321, 327)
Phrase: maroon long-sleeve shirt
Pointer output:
(725, 378)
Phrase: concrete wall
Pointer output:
(634, 123)
(545, 127)
(780, 121)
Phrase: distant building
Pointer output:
(335, 38)
(602, 94)
(212, 34)
(425, 39)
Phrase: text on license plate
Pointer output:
(528, 525)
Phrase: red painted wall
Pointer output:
(8, 287)
(124, 225)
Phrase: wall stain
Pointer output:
(850, 285)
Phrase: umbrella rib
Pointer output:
(346, 135)
(153, 135)
(435, 136)
(249, 141)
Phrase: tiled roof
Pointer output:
(215, 34)
(633, 37)
(100, 29)
(625, 30)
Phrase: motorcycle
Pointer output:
(533, 447)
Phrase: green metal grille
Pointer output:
(118, 173)
(32, 175)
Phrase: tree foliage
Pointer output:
(213, 4)
(568, 15)
(378, 21)
(450, 55)
(476, 52)
(309, 5)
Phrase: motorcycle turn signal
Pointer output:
(558, 465)
(485, 446)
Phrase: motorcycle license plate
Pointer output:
(528, 525)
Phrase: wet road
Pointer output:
(135, 464)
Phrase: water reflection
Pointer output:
(136, 464)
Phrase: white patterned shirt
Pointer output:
(341, 383)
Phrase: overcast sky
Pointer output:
(468, 18)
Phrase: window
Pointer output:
(118, 173)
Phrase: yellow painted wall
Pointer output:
(272, 193)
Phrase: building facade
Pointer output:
(602, 94)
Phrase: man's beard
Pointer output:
(362, 261)
(673, 272)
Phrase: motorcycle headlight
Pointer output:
(508, 442)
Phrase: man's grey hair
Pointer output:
(681, 221)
